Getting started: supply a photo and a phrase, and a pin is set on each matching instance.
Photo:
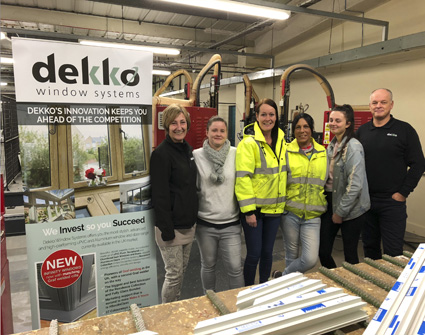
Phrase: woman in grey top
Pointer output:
(218, 225)
(346, 189)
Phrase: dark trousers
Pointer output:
(259, 247)
(385, 220)
(350, 231)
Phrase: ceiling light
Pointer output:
(155, 50)
(161, 72)
(6, 60)
(237, 7)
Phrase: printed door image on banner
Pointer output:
(60, 156)
(97, 201)
(70, 303)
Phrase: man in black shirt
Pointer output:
(394, 166)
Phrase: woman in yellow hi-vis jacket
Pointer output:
(261, 188)
(307, 175)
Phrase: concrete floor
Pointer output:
(192, 287)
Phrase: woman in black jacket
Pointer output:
(174, 197)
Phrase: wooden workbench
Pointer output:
(181, 317)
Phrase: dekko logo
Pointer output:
(97, 75)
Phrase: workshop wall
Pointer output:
(353, 83)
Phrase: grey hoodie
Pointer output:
(350, 192)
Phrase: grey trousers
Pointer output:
(228, 241)
(175, 260)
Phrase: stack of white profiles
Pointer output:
(403, 310)
(291, 304)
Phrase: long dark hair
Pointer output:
(275, 130)
(307, 118)
(348, 112)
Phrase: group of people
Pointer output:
(358, 185)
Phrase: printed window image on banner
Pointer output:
(97, 155)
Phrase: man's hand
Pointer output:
(398, 197)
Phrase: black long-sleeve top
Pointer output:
(174, 196)
(394, 158)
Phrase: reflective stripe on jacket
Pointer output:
(306, 180)
(260, 173)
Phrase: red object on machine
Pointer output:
(6, 298)
(199, 117)
(360, 117)
(187, 90)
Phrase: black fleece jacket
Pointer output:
(394, 158)
(174, 196)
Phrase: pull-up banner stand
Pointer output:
(83, 114)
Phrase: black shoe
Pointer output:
(276, 274)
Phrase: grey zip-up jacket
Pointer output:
(350, 192)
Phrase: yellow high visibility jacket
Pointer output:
(260, 173)
(306, 180)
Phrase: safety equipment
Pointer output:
(306, 180)
(260, 173)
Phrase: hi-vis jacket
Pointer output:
(306, 180)
(260, 173)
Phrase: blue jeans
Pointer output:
(300, 233)
(259, 247)
(228, 241)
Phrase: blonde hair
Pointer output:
(171, 112)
